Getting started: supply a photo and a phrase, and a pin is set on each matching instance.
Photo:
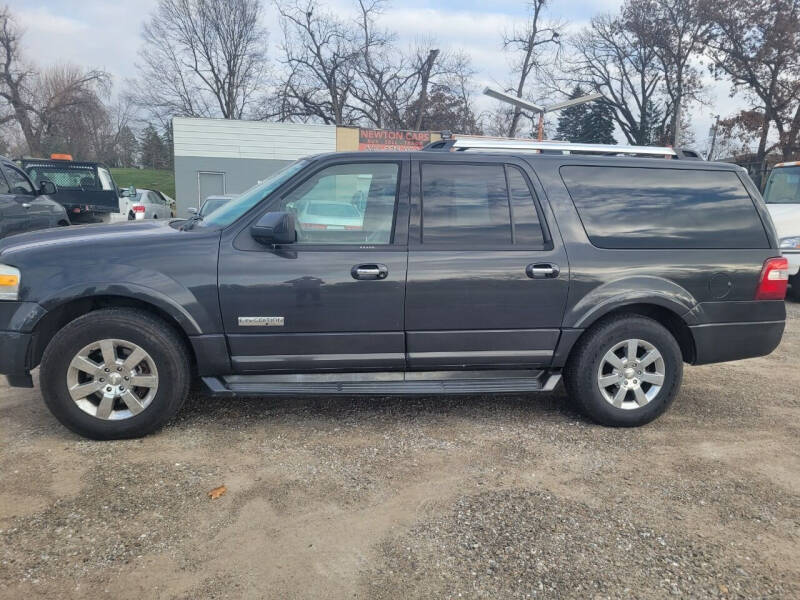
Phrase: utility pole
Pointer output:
(535, 108)
(713, 138)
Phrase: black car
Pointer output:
(469, 271)
(25, 207)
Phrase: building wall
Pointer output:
(245, 152)
(231, 156)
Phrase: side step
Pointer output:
(384, 384)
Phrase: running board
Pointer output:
(384, 384)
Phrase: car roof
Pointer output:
(533, 158)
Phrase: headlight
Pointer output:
(9, 283)
(790, 243)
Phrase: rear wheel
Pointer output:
(625, 372)
(115, 373)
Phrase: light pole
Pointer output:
(535, 108)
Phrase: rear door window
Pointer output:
(637, 207)
(478, 205)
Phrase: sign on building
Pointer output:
(392, 139)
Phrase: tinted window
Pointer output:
(18, 181)
(345, 204)
(465, 205)
(628, 207)
(527, 230)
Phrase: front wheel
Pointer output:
(625, 372)
(115, 373)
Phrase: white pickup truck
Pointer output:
(782, 195)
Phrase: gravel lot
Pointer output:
(471, 497)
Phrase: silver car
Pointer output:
(23, 207)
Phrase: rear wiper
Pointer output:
(190, 222)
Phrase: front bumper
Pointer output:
(794, 262)
(17, 320)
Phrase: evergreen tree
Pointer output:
(598, 124)
(153, 149)
(571, 120)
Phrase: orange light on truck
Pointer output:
(61, 156)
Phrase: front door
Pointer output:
(31, 211)
(334, 299)
(487, 277)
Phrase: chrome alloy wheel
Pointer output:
(631, 374)
(112, 379)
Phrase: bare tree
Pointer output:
(534, 46)
(677, 31)
(319, 54)
(202, 58)
(39, 102)
(757, 45)
(615, 61)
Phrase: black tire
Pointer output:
(131, 216)
(581, 372)
(153, 335)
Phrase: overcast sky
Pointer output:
(105, 34)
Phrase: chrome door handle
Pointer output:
(542, 271)
(369, 272)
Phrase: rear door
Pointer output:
(487, 272)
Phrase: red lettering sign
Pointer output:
(391, 139)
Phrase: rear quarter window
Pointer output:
(639, 207)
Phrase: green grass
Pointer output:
(148, 179)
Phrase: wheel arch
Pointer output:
(58, 316)
(668, 317)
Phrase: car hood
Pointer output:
(127, 233)
(786, 218)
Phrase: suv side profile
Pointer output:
(466, 271)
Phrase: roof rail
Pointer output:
(463, 143)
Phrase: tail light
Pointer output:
(137, 208)
(774, 279)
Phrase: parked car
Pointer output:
(24, 207)
(480, 267)
(211, 204)
(85, 189)
(330, 215)
(146, 204)
(782, 195)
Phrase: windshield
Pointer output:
(210, 206)
(241, 204)
(783, 186)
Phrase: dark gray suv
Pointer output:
(469, 269)
(24, 207)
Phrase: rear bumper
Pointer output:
(720, 342)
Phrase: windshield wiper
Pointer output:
(190, 222)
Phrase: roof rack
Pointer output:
(463, 143)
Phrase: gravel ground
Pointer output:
(472, 497)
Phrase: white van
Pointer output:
(782, 195)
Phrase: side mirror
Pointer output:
(192, 211)
(47, 188)
(274, 228)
